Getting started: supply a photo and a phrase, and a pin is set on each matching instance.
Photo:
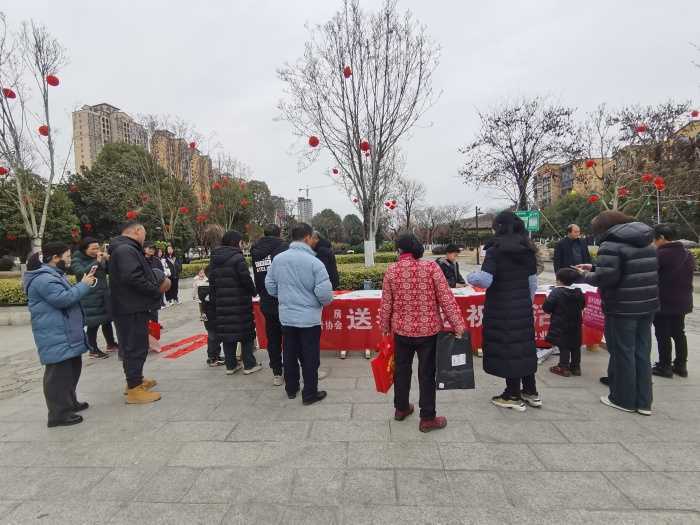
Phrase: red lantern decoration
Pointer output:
(347, 71)
(641, 128)
(44, 130)
(313, 141)
(88, 227)
(622, 192)
(4, 170)
(132, 214)
(8, 93)
(590, 163)
(387, 204)
(201, 218)
(184, 210)
(52, 80)
(216, 186)
(660, 183)
(335, 171)
(355, 200)
(364, 146)
(394, 202)
(73, 188)
(695, 113)
(193, 145)
(11, 237)
(647, 177)
(593, 198)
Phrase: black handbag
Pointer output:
(455, 365)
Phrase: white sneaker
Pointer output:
(277, 380)
(248, 371)
(606, 401)
(368, 354)
(643, 412)
(343, 354)
(534, 400)
(230, 372)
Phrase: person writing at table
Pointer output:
(413, 293)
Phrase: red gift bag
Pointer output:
(154, 329)
(383, 366)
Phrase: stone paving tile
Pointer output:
(316, 412)
(193, 431)
(6, 507)
(169, 484)
(120, 484)
(372, 412)
(588, 457)
(294, 431)
(517, 432)
(488, 456)
(688, 431)
(318, 487)
(407, 431)
(241, 485)
(75, 512)
(478, 489)
(668, 456)
(369, 486)
(571, 490)
(204, 454)
(48, 483)
(171, 514)
(394, 455)
(659, 490)
(306, 454)
(311, 515)
(424, 487)
(604, 517)
(623, 430)
(350, 431)
(251, 512)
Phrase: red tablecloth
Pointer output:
(351, 321)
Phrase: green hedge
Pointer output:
(355, 258)
(11, 292)
(192, 269)
(353, 277)
(696, 253)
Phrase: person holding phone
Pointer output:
(57, 326)
(96, 306)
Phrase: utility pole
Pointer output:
(476, 224)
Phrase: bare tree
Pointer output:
(454, 215)
(29, 56)
(515, 139)
(363, 82)
(410, 194)
(429, 221)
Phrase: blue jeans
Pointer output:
(629, 368)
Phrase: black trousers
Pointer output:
(132, 331)
(107, 332)
(213, 345)
(172, 294)
(302, 345)
(247, 354)
(405, 349)
(513, 385)
(273, 329)
(569, 355)
(667, 328)
(60, 382)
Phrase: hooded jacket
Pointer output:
(324, 252)
(96, 305)
(565, 305)
(57, 318)
(133, 284)
(262, 254)
(626, 271)
(676, 267)
(451, 271)
(231, 291)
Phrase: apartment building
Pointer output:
(202, 175)
(172, 154)
(553, 180)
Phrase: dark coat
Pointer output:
(564, 255)
(133, 285)
(508, 324)
(565, 305)
(324, 253)
(451, 271)
(626, 271)
(262, 253)
(676, 267)
(231, 292)
(96, 305)
(175, 267)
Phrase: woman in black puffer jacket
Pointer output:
(231, 292)
(626, 275)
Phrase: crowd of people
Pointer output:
(644, 276)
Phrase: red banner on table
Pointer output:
(352, 323)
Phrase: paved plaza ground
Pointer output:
(233, 449)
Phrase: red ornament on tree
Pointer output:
(347, 71)
(87, 227)
(52, 80)
(132, 214)
(660, 183)
(184, 210)
(364, 146)
(593, 198)
(8, 93)
(355, 200)
(44, 130)
(335, 171)
(313, 141)
(201, 218)
(216, 186)
(11, 237)
(221, 206)
(623, 192)
(394, 202)
(695, 113)
(590, 163)
(387, 204)
(73, 188)
(4, 170)
(647, 177)
(193, 145)
(641, 128)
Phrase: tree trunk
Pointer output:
(36, 244)
(370, 239)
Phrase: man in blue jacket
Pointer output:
(57, 325)
(302, 286)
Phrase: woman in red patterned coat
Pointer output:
(414, 291)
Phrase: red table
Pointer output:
(351, 321)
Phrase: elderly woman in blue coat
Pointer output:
(57, 325)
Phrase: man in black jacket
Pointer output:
(135, 291)
(262, 253)
(324, 253)
(450, 267)
(676, 267)
(232, 290)
(571, 250)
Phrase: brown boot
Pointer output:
(147, 384)
(140, 396)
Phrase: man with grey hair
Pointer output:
(571, 250)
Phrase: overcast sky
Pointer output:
(214, 64)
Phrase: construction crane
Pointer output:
(309, 188)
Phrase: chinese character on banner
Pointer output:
(360, 319)
(337, 314)
(540, 316)
(328, 325)
(338, 325)
(475, 314)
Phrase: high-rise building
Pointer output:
(200, 168)
(553, 181)
(172, 154)
(305, 210)
(95, 126)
